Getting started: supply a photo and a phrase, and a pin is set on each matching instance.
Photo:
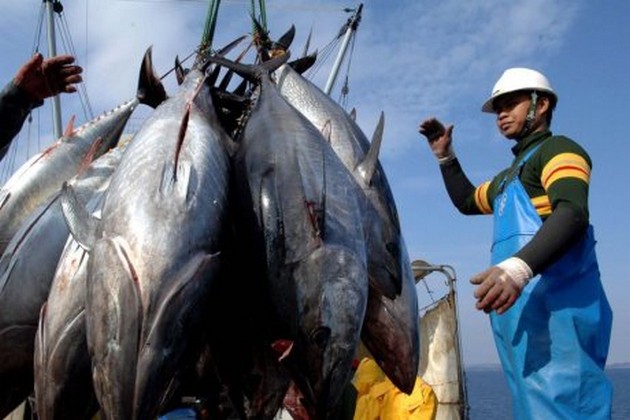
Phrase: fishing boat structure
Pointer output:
(338, 282)
(441, 359)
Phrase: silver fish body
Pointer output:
(42, 176)
(307, 210)
(63, 380)
(27, 269)
(390, 330)
(352, 147)
(156, 253)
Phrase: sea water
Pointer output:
(489, 397)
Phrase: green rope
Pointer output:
(210, 26)
(261, 17)
(263, 13)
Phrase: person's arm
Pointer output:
(561, 230)
(14, 108)
(565, 177)
(460, 190)
(35, 81)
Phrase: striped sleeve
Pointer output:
(542, 205)
(563, 166)
(481, 198)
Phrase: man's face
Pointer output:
(511, 111)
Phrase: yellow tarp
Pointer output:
(378, 398)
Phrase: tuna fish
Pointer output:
(27, 269)
(304, 212)
(63, 380)
(42, 176)
(155, 252)
(390, 330)
(361, 158)
(390, 333)
(29, 261)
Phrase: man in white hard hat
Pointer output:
(549, 313)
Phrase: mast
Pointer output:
(51, 7)
(350, 28)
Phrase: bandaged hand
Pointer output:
(500, 285)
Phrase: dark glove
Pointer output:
(40, 79)
(440, 139)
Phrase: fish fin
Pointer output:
(185, 291)
(82, 225)
(89, 156)
(327, 130)
(250, 72)
(202, 61)
(113, 325)
(69, 131)
(4, 197)
(229, 47)
(369, 164)
(180, 72)
(307, 44)
(284, 42)
(302, 64)
(40, 341)
(150, 92)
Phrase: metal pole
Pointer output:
(52, 51)
(352, 25)
(449, 272)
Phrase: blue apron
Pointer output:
(553, 342)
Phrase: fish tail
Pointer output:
(150, 92)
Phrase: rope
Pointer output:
(38, 30)
(343, 95)
(210, 25)
(261, 16)
(263, 13)
(9, 161)
(66, 40)
(322, 57)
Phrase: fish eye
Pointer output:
(393, 248)
(320, 336)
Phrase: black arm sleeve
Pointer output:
(14, 108)
(562, 228)
(458, 186)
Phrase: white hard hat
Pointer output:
(515, 79)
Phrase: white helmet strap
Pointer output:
(531, 114)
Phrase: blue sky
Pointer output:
(412, 59)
